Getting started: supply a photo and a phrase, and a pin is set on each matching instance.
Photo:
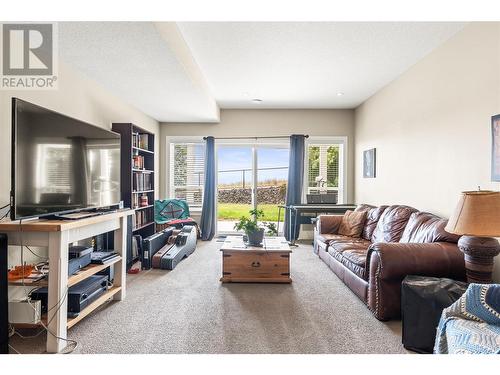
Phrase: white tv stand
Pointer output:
(57, 235)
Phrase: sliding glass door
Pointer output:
(250, 177)
(234, 185)
(272, 175)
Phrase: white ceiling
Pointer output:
(134, 61)
(180, 73)
(305, 65)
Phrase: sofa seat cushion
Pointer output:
(351, 254)
(328, 238)
(425, 227)
(392, 223)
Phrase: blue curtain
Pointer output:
(295, 183)
(207, 225)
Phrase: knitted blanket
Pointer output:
(472, 324)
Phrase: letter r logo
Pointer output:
(27, 49)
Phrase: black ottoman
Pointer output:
(422, 302)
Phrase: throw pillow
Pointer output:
(352, 223)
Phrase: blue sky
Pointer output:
(241, 158)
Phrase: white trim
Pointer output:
(343, 160)
(254, 146)
(169, 180)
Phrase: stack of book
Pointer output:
(138, 162)
(142, 181)
(142, 217)
(139, 201)
(140, 140)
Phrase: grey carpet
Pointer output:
(188, 310)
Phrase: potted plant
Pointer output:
(255, 230)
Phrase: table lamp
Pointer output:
(477, 220)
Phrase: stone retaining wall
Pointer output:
(268, 194)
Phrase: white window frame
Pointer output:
(341, 141)
(170, 142)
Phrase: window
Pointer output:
(187, 165)
(324, 167)
(53, 169)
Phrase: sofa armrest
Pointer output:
(328, 224)
(389, 263)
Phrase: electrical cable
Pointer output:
(32, 252)
(58, 305)
(5, 215)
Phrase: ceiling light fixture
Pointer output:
(340, 94)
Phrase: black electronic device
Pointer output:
(79, 257)
(77, 251)
(103, 257)
(79, 296)
(60, 165)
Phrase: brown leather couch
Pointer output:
(396, 241)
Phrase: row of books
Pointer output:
(140, 200)
(138, 162)
(142, 181)
(140, 140)
(143, 217)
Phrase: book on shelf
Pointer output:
(143, 217)
(138, 162)
(142, 181)
(140, 140)
(139, 201)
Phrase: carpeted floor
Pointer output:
(189, 311)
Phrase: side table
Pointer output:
(422, 302)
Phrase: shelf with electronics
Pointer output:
(138, 175)
(57, 236)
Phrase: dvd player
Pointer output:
(79, 296)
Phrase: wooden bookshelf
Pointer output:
(137, 175)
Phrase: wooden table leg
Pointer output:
(58, 284)
(120, 267)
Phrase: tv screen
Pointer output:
(60, 164)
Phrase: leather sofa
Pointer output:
(396, 241)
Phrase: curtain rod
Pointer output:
(268, 137)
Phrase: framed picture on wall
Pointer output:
(369, 163)
(495, 148)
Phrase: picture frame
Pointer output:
(495, 148)
(369, 163)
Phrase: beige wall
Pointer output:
(78, 97)
(253, 122)
(431, 126)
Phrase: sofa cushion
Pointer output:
(372, 218)
(351, 254)
(328, 238)
(352, 223)
(426, 227)
(392, 223)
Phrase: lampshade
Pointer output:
(477, 214)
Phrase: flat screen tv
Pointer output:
(60, 164)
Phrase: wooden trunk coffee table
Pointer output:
(249, 264)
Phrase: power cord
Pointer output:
(72, 343)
